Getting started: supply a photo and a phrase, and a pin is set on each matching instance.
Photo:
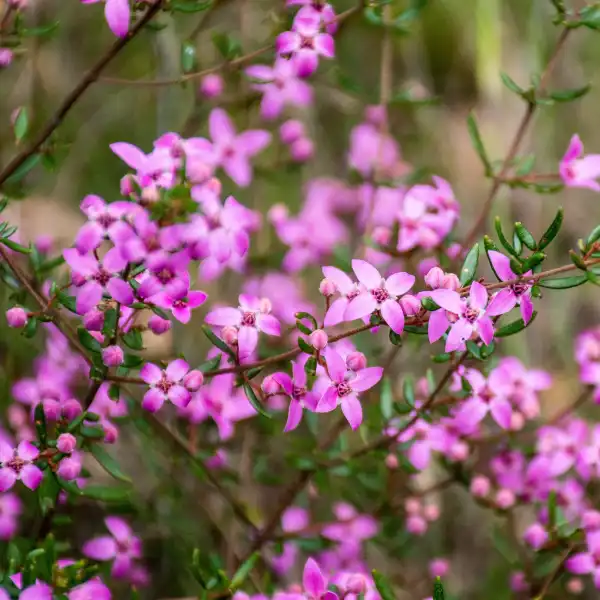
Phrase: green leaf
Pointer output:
(110, 322)
(254, 401)
(592, 238)
(383, 586)
(517, 244)
(418, 329)
(373, 16)
(16, 247)
(469, 267)
(577, 260)
(43, 30)
(31, 328)
(504, 545)
(570, 95)
(303, 328)
(395, 338)
(502, 238)
(40, 423)
(511, 85)
(552, 509)
(525, 165)
(589, 16)
(478, 144)
(191, 7)
(441, 358)
(21, 124)
(69, 302)
(210, 365)
(533, 261)
(438, 589)
(92, 432)
(132, 361)
(305, 315)
(108, 463)
(227, 45)
(516, 266)
(88, 341)
(525, 236)
(189, 60)
(133, 339)
(552, 230)
(387, 399)
(305, 346)
(106, 493)
(408, 391)
(217, 341)
(514, 327)
(242, 573)
(28, 164)
(429, 304)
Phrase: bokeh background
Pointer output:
(453, 55)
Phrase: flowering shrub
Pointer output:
(388, 276)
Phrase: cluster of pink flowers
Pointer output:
(587, 355)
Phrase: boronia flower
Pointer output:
(17, 465)
(165, 385)
(117, 13)
(314, 583)
(577, 170)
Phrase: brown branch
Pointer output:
(91, 76)
(516, 143)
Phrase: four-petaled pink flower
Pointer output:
(121, 546)
(587, 562)
(179, 299)
(380, 294)
(17, 464)
(314, 583)
(305, 43)
(348, 290)
(249, 318)
(233, 151)
(516, 294)
(118, 15)
(300, 397)
(345, 386)
(165, 385)
(317, 10)
(577, 170)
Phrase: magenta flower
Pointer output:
(305, 43)
(94, 588)
(468, 315)
(518, 294)
(10, 509)
(587, 562)
(380, 294)
(121, 546)
(17, 465)
(118, 15)
(317, 10)
(38, 591)
(179, 299)
(314, 583)
(159, 168)
(99, 277)
(577, 170)
(344, 387)
(280, 87)
(348, 290)
(300, 397)
(249, 318)
(233, 151)
(165, 385)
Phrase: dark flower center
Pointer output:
(165, 275)
(102, 276)
(179, 304)
(106, 220)
(352, 294)
(307, 42)
(298, 392)
(164, 385)
(343, 389)
(249, 319)
(16, 464)
(471, 314)
(380, 295)
(519, 288)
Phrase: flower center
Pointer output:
(164, 385)
(380, 295)
(343, 389)
(179, 304)
(102, 276)
(307, 42)
(351, 295)
(471, 314)
(165, 275)
(249, 319)
(106, 220)
(16, 464)
(519, 288)
(298, 392)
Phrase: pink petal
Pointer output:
(437, 326)
(118, 528)
(177, 369)
(6, 452)
(151, 373)
(367, 274)
(393, 315)
(269, 324)
(342, 281)
(101, 548)
(117, 14)
(366, 379)
(27, 451)
(121, 291)
(312, 579)
(460, 332)
(336, 366)
(501, 264)
(486, 329)
(588, 167)
(361, 306)
(82, 265)
(253, 141)
(121, 566)
(526, 308)
(223, 317)
(478, 295)
(473, 411)
(448, 299)
(89, 237)
(7, 479)
(285, 381)
(501, 412)
(324, 45)
(153, 400)
(238, 167)
(299, 373)
(581, 563)
(575, 149)
(328, 401)
(399, 283)
(503, 302)
(179, 396)
(286, 42)
(247, 341)
(352, 410)
(220, 126)
(182, 313)
(306, 62)
(294, 415)
(260, 72)
(336, 312)
(419, 454)
(131, 155)
(88, 296)
(37, 591)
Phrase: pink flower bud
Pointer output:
(278, 214)
(376, 114)
(318, 339)
(66, 443)
(150, 194)
(590, 520)
(214, 185)
(111, 433)
(412, 506)
(356, 361)
(211, 86)
(459, 451)
(291, 130)
(270, 386)
(69, 468)
(16, 317)
(112, 356)
(411, 305)
(575, 586)
(391, 461)
(435, 278)
(518, 582)
(44, 243)
(416, 525)
(98, 336)
(536, 536)
(517, 421)
(453, 250)
(93, 320)
(382, 235)
(265, 306)
(426, 265)
(327, 288)
(158, 325)
(451, 282)
(6, 57)
(127, 185)
(218, 461)
(229, 335)
(439, 567)
(18, 3)
(71, 409)
(197, 171)
(356, 584)
(193, 380)
(480, 486)
(17, 416)
(505, 499)
(302, 150)
(431, 512)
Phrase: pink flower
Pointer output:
(577, 170)
(317, 10)
(165, 385)
(179, 299)
(94, 588)
(249, 318)
(10, 509)
(121, 546)
(232, 151)
(118, 15)
(314, 583)
(344, 387)
(380, 294)
(305, 44)
(17, 464)
(348, 290)
(587, 562)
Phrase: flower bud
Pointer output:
(291, 131)
(439, 567)
(229, 335)
(453, 251)
(416, 525)
(517, 421)
(356, 584)
(505, 499)
(127, 185)
(214, 185)
(426, 265)
(6, 57)
(575, 586)
(518, 582)
(44, 243)
(193, 380)
(431, 512)
(111, 433)
(459, 451)
(71, 409)
(412, 506)
(411, 305)
(391, 461)
(158, 325)
(150, 194)
(211, 86)
(69, 468)
(93, 320)
(17, 3)
(327, 288)
(197, 171)
(356, 361)
(265, 306)
(278, 214)
(536, 536)
(270, 385)
(376, 114)
(451, 282)
(435, 278)
(318, 339)
(16, 317)
(382, 235)
(66, 443)
(590, 520)
(112, 356)
(480, 486)
(218, 461)
(302, 150)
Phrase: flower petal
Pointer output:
(336, 312)
(269, 325)
(294, 415)
(151, 373)
(478, 296)
(220, 126)
(393, 315)
(437, 326)
(503, 302)
(342, 281)
(352, 410)
(312, 579)
(448, 299)
(336, 366)
(224, 317)
(247, 341)
(367, 274)
(366, 379)
(361, 306)
(118, 528)
(7, 479)
(100, 548)
(27, 451)
(399, 283)
(501, 264)
(118, 14)
(153, 400)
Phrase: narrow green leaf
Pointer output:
(133, 339)
(502, 238)
(395, 338)
(517, 244)
(533, 261)
(514, 327)
(305, 315)
(525, 165)
(525, 235)
(386, 399)
(40, 423)
(511, 84)
(210, 365)
(189, 59)
(15, 246)
(29, 164)
(110, 322)
(563, 283)
(552, 230)
(88, 341)
(305, 346)
(187, 7)
(438, 589)
(469, 267)
(108, 463)
(478, 144)
(21, 124)
(504, 545)
(429, 304)
(106, 493)
(383, 586)
(242, 573)
(441, 358)
(552, 509)
(516, 266)
(570, 95)
(577, 260)
(217, 341)
(592, 238)
(408, 391)
(254, 401)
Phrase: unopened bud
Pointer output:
(431, 512)
(69, 468)
(6, 57)
(158, 325)
(382, 235)
(376, 114)
(480, 486)
(151, 194)
(438, 567)
(112, 356)
(302, 150)
(356, 361)
(451, 282)
(229, 335)
(16, 317)
(211, 86)
(356, 584)
(435, 278)
(505, 499)
(412, 506)
(327, 288)
(318, 339)
(575, 586)
(71, 409)
(411, 305)
(416, 525)
(66, 443)
(127, 185)
(391, 461)
(270, 385)
(291, 131)
(93, 320)
(278, 214)
(193, 380)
